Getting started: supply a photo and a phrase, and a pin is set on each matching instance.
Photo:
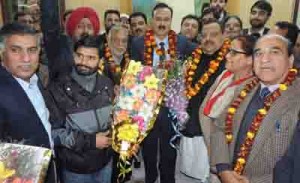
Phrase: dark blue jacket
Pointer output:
(287, 170)
(18, 119)
(184, 48)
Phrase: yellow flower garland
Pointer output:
(193, 63)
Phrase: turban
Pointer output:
(77, 15)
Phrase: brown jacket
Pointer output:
(270, 143)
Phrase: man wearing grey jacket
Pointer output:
(84, 102)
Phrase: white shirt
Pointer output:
(35, 96)
(271, 88)
(166, 46)
(261, 32)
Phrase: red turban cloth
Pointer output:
(77, 15)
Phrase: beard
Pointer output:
(85, 70)
(77, 38)
(217, 9)
(138, 32)
(257, 24)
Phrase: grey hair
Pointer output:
(279, 37)
(113, 30)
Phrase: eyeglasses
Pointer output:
(234, 52)
(81, 56)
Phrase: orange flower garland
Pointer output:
(150, 46)
(193, 65)
(114, 68)
(251, 134)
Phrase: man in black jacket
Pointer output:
(84, 102)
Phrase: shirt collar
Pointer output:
(271, 88)
(165, 40)
(117, 61)
(261, 32)
(32, 81)
(222, 15)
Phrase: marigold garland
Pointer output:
(113, 67)
(257, 121)
(150, 46)
(193, 65)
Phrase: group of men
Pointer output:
(71, 115)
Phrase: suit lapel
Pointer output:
(239, 116)
(22, 98)
(26, 101)
(268, 126)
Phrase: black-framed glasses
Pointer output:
(234, 52)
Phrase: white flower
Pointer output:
(138, 91)
(146, 112)
(125, 102)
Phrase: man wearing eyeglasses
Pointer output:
(115, 55)
(255, 131)
(260, 13)
(84, 102)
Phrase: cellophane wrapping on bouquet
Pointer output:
(136, 107)
(23, 164)
(175, 98)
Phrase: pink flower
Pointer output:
(147, 71)
(140, 121)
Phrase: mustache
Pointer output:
(208, 42)
(84, 66)
(162, 27)
(83, 35)
(138, 30)
(257, 20)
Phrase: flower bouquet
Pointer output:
(23, 163)
(175, 98)
(136, 107)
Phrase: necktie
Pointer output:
(162, 57)
(264, 92)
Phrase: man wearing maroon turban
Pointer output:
(59, 47)
(83, 20)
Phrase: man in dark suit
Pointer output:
(260, 13)
(219, 8)
(162, 130)
(254, 133)
(287, 169)
(23, 113)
